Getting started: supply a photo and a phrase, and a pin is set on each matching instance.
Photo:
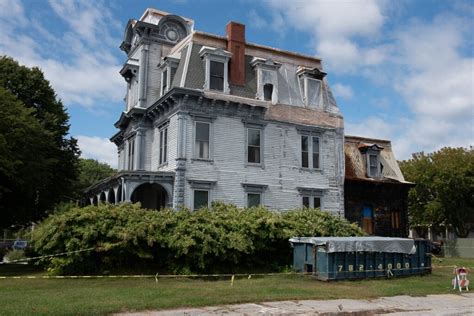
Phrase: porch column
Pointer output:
(116, 194)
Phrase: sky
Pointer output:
(400, 70)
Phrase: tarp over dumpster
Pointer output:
(358, 244)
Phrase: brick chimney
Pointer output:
(236, 45)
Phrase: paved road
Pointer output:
(447, 304)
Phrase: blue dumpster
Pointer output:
(340, 258)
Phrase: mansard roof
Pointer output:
(356, 166)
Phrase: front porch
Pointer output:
(154, 190)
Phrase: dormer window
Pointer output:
(216, 61)
(371, 154)
(216, 76)
(168, 68)
(267, 91)
(311, 86)
(267, 79)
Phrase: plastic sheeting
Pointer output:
(369, 244)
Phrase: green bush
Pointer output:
(222, 238)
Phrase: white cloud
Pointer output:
(374, 127)
(101, 149)
(336, 27)
(437, 83)
(78, 62)
(343, 91)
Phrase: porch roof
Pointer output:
(116, 179)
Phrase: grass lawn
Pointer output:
(103, 296)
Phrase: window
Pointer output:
(201, 193)
(131, 153)
(311, 85)
(201, 199)
(254, 193)
(311, 197)
(304, 151)
(306, 201)
(168, 68)
(267, 92)
(163, 146)
(201, 145)
(267, 78)
(311, 202)
(164, 82)
(253, 144)
(373, 166)
(216, 62)
(310, 144)
(317, 202)
(254, 199)
(315, 152)
(216, 76)
(312, 92)
(172, 74)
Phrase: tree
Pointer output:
(39, 160)
(444, 191)
(90, 172)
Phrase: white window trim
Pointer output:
(311, 200)
(248, 163)
(211, 146)
(164, 161)
(201, 185)
(250, 188)
(311, 193)
(218, 55)
(269, 65)
(310, 74)
(310, 151)
(166, 65)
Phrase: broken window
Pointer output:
(267, 92)
(310, 144)
(313, 92)
(373, 166)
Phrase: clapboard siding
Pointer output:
(280, 170)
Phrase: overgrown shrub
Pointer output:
(14, 255)
(223, 238)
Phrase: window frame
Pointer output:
(209, 54)
(304, 75)
(194, 198)
(254, 193)
(201, 185)
(131, 153)
(163, 146)
(195, 155)
(252, 188)
(211, 75)
(259, 146)
(311, 194)
(262, 65)
(310, 152)
(167, 74)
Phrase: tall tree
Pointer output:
(444, 191)
(90, 172)
(44, 157)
